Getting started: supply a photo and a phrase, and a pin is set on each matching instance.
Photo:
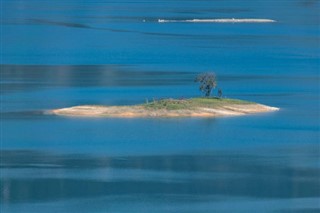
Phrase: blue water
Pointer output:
(58, 54)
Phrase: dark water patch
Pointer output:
(123, 19)
(46, 189)
(63, 24)
(267, 174)
(30, 77)
(58, 23)
(298, 150)
(22, 78)
(300, 210)
(220, 162)
(24, 115)
(33, 21)
(18, 86)
(309, 3)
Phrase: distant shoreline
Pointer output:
(195, 107)
(225, 20)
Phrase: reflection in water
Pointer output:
(28, 77)
(30, 176)
(17, 78)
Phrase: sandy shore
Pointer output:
(226, 20)
(140, 111)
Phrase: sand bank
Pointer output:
(142, 111)
(226, 20)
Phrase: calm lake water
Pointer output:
(63, 53)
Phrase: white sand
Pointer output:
(139, 111)
(226, 20)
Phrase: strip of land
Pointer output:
(226, 20)
(194, 107)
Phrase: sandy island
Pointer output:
(196, 107)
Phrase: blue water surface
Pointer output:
(57, 54)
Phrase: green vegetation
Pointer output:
(208, 82)
(192, 103)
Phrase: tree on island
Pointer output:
(207, 81)
(219, 93)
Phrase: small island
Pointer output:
(193, 107)
(206, 106)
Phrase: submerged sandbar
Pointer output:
(223, 20)
(194, 107)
